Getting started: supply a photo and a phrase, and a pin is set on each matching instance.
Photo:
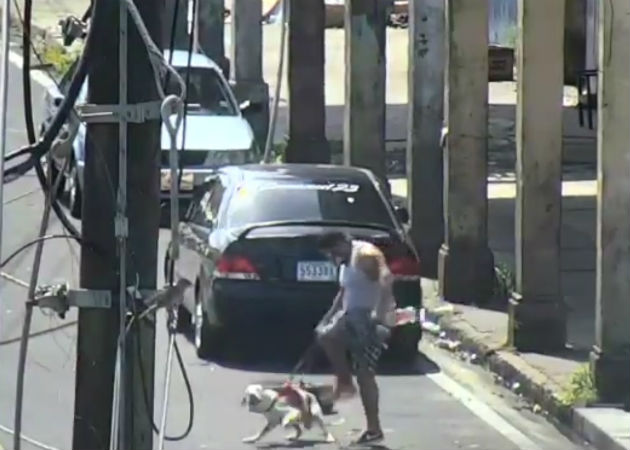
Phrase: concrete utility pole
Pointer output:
(539, 316)
(425, 177)
(246, 60)
(466, 264)
(364, 114)
(143, 212)
(307, 96)
(211, 31)
(181, 32)
(98, 328)
(611, 355)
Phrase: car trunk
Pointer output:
(290, 253)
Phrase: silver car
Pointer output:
(216, 133)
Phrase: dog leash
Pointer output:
(297, 369)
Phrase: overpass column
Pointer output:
(611, 354)
(537, 308)
(466, 264)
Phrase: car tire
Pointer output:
(184, 320)
(208, 339)
(74, 193)
(405, 346)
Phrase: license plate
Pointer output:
(316, 271)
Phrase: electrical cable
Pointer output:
(26, 326)
(271, 131)
(180, 360)
(39, 149)
(27, 46)
(180, 172)
(25, 246)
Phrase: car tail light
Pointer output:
(235, 267)
(404, 267)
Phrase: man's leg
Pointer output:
(369, 397)
(335, 350)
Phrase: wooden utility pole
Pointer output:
(98, 328)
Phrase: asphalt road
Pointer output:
(426, 405)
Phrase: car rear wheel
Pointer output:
(74, 200)
(405, 345)
(208, 339)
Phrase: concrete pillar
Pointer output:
(537, 307)
(210, 31)
(427, 46)
(364, 115)
(181, 30)
(307, 100)
(611, 355)
(466, 264)
(247, 74)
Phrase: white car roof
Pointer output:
(198, 60)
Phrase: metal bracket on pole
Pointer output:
(134, 113)
(121, 226)
(60, 298)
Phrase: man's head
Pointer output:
(336, 246)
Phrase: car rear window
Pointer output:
(298, 200)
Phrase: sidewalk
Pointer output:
(480, 335)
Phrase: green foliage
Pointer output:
(580, 391)
(57, 56)
(505, 282)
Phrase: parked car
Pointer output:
(216, 132)
(249, 244)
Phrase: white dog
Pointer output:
(281, 409)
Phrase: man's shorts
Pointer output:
(361, 334)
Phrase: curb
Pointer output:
(533, 385)
(593, 433)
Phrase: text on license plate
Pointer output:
(316, 271)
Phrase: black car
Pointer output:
(249, 243)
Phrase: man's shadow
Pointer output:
(310, 443)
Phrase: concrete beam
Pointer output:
(427, 43)
(611, 355)
(539, 317)
(307, 100)
(466, 264)
(246, 56)
(364, 114)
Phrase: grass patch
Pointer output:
(580, 390)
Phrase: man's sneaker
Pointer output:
(369, 437)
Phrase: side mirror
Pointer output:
(244, 106)
(403, 214)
